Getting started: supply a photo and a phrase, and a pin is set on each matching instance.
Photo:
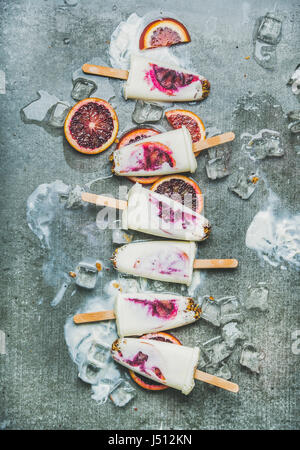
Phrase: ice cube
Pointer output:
(217, 162)
(265, 55)
(257, 297)
(251, 357)
(294, 81)
(82, 88)
(89, 373)
(86, 274)
(217, 350)
(231, 334)
(230, 310)
(38, 110)
(59, 114)
(104, 89)
(223, 371)
(122, 394)
(146, 112)
(211, 311)
(294, 115)
(264, 143)
(98, 354)
(245, 185)
(203, 358)
(101, 391)
(269, 29)
(294, 127)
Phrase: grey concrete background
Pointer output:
(39, 385)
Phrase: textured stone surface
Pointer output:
(43, 43)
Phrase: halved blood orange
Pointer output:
(180, 188)
(179, 117)
(144, 382)
(163, 33)
(134, 135)
(91, 126)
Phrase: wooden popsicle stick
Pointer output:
(216, 381)
(213, 141)
(105, 71)
(94, 316)
(215, 263)
(101, 200)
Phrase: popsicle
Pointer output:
(152, 213)
(166, 363)
(171, 261)
(156, 81)
(162, 154)
(139, 313)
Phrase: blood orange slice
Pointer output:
(91, 126)
(134, 135)
(144, 382)
(179, 117)
(163, 33)
(182, 189)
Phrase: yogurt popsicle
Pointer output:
(171, 261)
(162, 154)
(165, 363)
(157, 81)
(159, 215)
(141, 313)
(159, 260)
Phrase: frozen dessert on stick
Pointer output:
(166, 363)
(139, 313)
(171, 261)
(156, 81)
(152, 213)
(162, 154)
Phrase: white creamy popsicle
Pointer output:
(140, 313)
(166, 363)
(170, 261)
(157, 81)
(159, 215)
(162, 154)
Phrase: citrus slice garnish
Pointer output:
(182, 189)
(179, 117)
(91, 126)
(144, 382)
(135, 135)
(163, 33)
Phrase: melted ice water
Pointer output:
(275, 235)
